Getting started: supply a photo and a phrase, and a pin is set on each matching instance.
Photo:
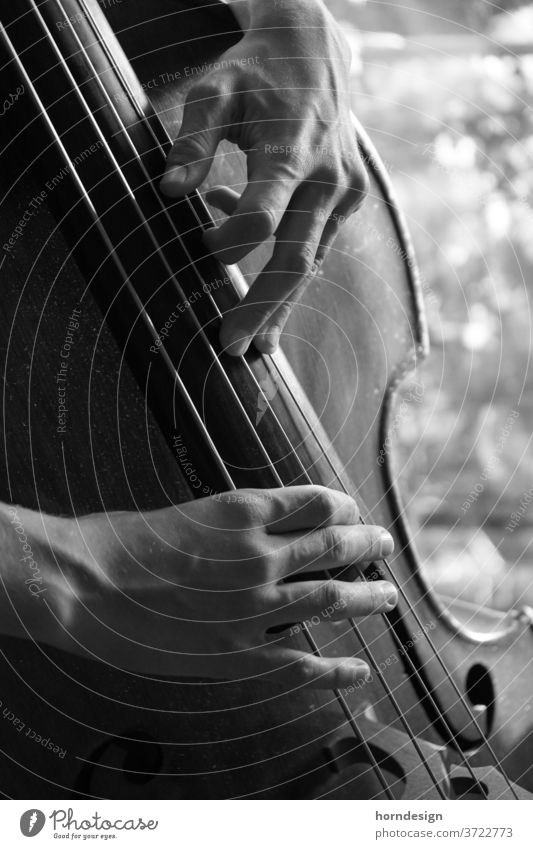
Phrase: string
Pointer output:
(182, 388)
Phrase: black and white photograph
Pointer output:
(266, 472)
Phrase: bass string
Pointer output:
(353, 626)
(375, 766)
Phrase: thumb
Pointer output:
(201, 130)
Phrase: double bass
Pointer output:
(445, 713)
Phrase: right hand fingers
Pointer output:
(331, 600)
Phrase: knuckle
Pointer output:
(325, 502)
(192, 143)
(305, 553)
(260, 575)
(189, 144)
(343, 45)
(291, 166)
(280, 317)
(335, 676)
(278, 502)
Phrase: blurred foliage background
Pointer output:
(445, 90)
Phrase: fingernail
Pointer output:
(239, 342)
(390, 595)
(386, 544)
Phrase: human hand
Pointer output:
(282, 96)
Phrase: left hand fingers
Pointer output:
(258, 211)
(297, 241)
(223, 198)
